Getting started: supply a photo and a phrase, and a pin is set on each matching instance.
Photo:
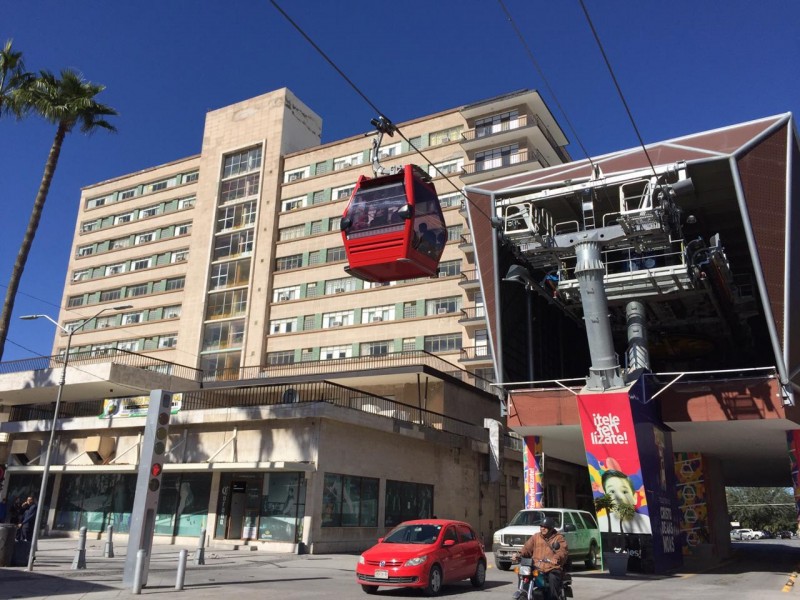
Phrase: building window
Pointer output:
(449, 200)
(159, 185)
(241, 162)
(95, 202)
(137, 290)
(349, 501)
(172, 312)
(338, 286)
(224, 335)
(314, 258)
(308, 322)
(234, 244)
(377, 314)
(230, 274)
(240, 187)
(443, 343)
(409, 344)
(336, 254)
(184, 229)
(184, 203)
(282, 325)
(128, 345)
(409, 310)
(115, 269)
(451, 134)
(497, 157)
(380, 348)
(449, 268)
(415, 143)
(82, 275)
(293, 203)
(175, 284)
(296, 174)
(306, 354)
(75, 301)
(109, 295)
(286, 263)
(335, 352)
(105, 322)
(335, 224)
(443, 306)
(168, 341)
(235, 216)
(285, 294)
(450, 167)
(120, 243)
(189, 177)
(132, 318)
(318, 197)
(497, 123)
(337, 319)
(126, 218)
(85, 250)
(342, 193)
(346, 162)
(312, 290)
(143, 263)
(316, 227)
(144, 238)
(150, 211)
(406, 501)
(223, 305)
(127, 194)
(284, 357)
(389, 151)
(291, 233)
(90, 226)
(321, 168)
(179, 256)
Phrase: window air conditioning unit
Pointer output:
(103, 325)
(336, 323)
(338, 291)
(377, 319)
(172, 315)
(441, 311)
(283, 297)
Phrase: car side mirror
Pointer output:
(406, 212)
(448, 543)
(570, 527)
(345, 223)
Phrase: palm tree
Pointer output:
(13, 78)
(65, 102)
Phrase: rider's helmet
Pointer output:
(549, 522)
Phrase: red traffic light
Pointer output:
(156, 469)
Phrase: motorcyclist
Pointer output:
(549, 552)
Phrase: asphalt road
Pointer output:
(760, 569)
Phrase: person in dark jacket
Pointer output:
(549, 552)
(28, 518)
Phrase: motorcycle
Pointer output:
(533, 582)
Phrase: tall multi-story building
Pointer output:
(226, 270)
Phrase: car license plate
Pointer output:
(381, 574)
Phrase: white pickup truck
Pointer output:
(578, 527)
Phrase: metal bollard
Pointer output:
(137, 575)
(79, 561)
(181, 569)
(108, 551)
(200, 555)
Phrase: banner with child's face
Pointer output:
(613, 458)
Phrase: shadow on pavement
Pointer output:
(20, 584)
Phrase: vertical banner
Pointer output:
(613, 458)
(793, 441)
(691, 491)
(533, 466)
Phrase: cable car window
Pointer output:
(375, 210)
(429, 235)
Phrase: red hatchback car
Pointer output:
(423, 554)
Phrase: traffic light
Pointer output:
(148, 482)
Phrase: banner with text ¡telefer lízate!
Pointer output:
(613, 457)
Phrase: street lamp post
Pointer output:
(49, 450)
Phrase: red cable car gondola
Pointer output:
(393, 227)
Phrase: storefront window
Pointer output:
(95, 501)
(349, 501)
(406, 501)
(282, 507)
(21, 485)
(183, 504)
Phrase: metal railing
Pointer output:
(476, 353)
(487, 131)
(469, 276)
(472, 312)
(519, 158)
(112, 355)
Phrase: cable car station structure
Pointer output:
(664, 278)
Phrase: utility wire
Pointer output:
(544, 79)
(616, 84)
(372, 104)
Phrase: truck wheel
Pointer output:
(502, 565)
(593, 558)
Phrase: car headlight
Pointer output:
(361, 560)
(413, 562)
(496, 538)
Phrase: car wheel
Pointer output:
(434, 581)
(370, 589)
(502, 565)
(479, 578)
(593, 559)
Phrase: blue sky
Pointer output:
(684, 66)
